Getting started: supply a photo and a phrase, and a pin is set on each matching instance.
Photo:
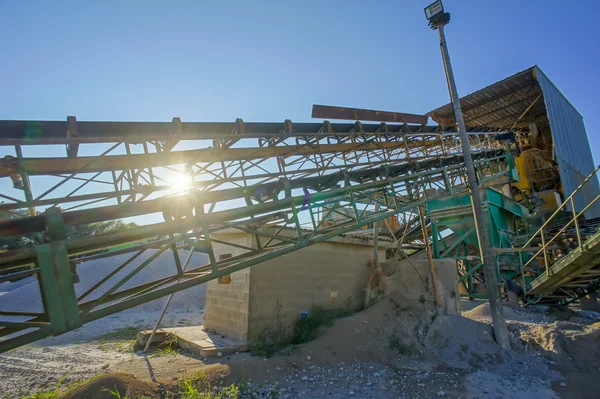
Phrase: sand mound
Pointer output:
(567, 343)
(483, 312)
(392, 327)
(463, 343)
(397, 327)
(27, 297)
(121, 385)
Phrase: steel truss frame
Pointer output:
(141, 159)
(272, 214)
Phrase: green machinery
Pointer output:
(455, 213)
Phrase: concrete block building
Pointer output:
(332, 274)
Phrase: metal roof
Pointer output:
(501, 104)
(528, 96)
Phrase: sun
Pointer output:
(180, 182)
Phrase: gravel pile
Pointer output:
(27, 297)
(362, 380)
(359, 379)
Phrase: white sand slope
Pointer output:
(27, 297)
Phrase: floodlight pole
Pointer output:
(496, 309)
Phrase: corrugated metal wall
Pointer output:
(573, 151)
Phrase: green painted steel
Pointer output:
(455, 213)
(57, 287)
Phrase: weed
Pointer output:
(169, 347)
(273, 338)
(48, 394)
(348, 304)
(309, 328)
(115, 393)
(395, 343)
(197, 387)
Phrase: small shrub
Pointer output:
(273, 338)
(395, 343)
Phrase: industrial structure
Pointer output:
(189, 185)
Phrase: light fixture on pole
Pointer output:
(437, 18)
(435, 14)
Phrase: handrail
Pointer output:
(569, 200)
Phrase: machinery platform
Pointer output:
(571, 273)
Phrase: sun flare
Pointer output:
(180, 182)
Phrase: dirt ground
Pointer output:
(394, 349)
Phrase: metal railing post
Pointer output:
(575, 221)
(545, 254)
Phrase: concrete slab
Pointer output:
(196, 340)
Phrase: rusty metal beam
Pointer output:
(357, 114)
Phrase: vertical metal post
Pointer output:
(546, 263)
(499, 324)
(436, 290)
(575, 221)
(26, 182)
(376, 238)
(166, 306)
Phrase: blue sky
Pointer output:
(271, 60)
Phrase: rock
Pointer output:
(307, 357)
(441, 393)
(105, 366)
(305, 378)
(351, 393)
(219, 354)
(562, 384)
(369, 383)
(485, 390)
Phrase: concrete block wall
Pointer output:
(324, 274)
(227, 305)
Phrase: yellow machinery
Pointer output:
(539, 181)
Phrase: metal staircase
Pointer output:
(568, 257)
